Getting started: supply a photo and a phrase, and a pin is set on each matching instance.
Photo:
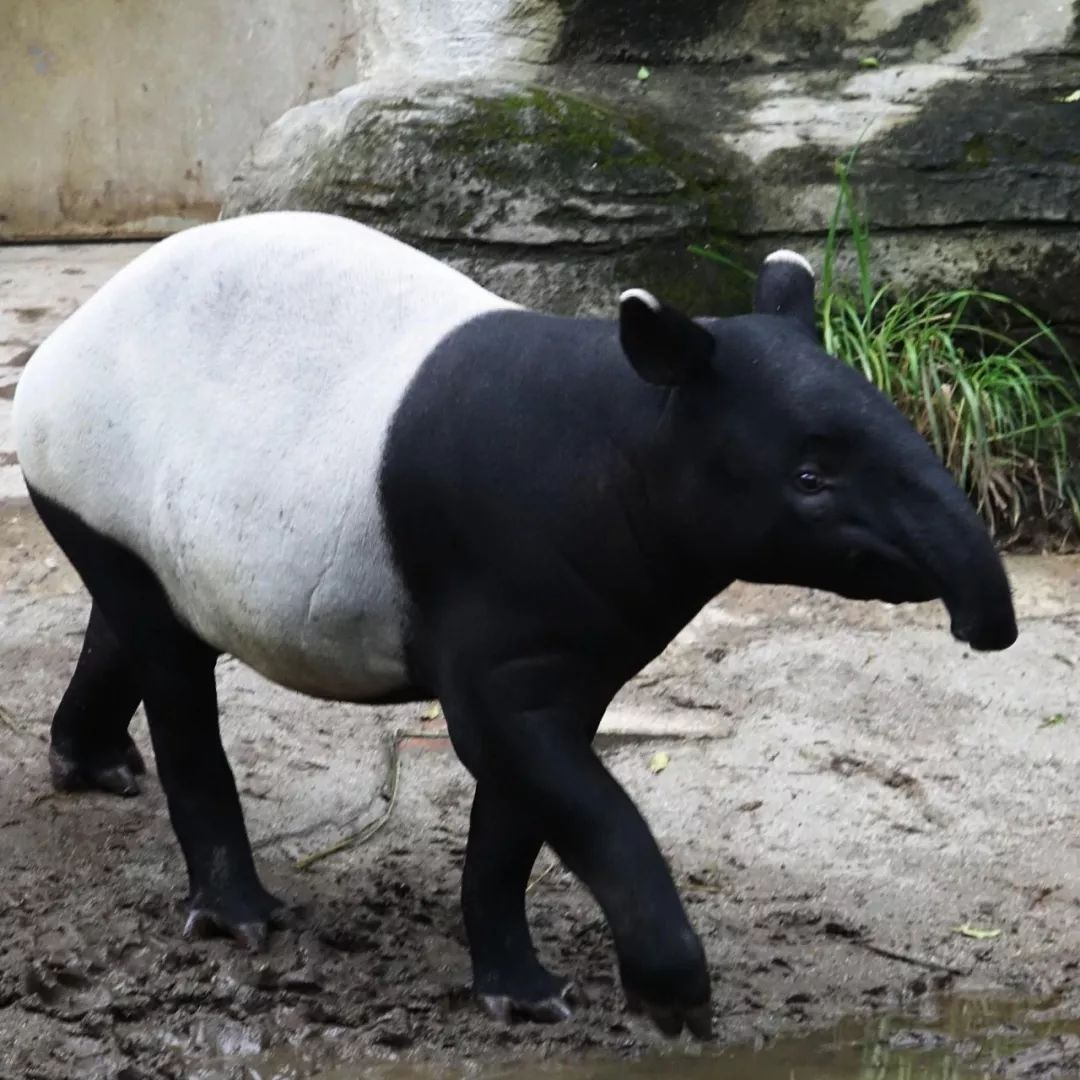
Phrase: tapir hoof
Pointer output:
(671, 1019)
(552, 1009)
(250, 927)
(113, 773)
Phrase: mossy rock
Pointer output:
(665, 31)
(515, 174)
(996, 151)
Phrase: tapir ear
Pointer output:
(664, 346)
(785, 286)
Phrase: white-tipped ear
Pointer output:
(784, 255)
(664, 346)
(785, 286)
(643, 295)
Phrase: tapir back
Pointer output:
(220, 408)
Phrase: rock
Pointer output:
(976, 182)
(449, 39)
(558, 195)
(1057, 1056)
(765, 31)
(551, 199)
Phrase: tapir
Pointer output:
(296, 440)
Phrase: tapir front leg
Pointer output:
(532, 720)
(507, 976)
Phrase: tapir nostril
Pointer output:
(997, 639)
(990, 638)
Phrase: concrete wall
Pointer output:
(129, 117)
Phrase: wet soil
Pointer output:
(947, 1037)
(849, 795)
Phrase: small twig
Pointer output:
(422, 736)
(908, 958)
(343, 844)
(705, 887)
(362, 836)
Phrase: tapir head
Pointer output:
(784, 465)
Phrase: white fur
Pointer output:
(220, 408)
(786, 256)
(643, 295)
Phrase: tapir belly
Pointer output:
(288, 567)
(220, 409)
(319, 610)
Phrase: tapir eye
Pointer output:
(809, 481)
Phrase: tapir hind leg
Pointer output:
(181, 706)
(90, 747)
(175, 673)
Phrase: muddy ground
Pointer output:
(842, 778)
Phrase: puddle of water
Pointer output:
(957, 1038)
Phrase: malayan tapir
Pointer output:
(293, 439)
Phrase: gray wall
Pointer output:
(130, 116)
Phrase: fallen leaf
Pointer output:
(751, 806)
(976, 933)
(432, 712)
(1053, 721)
(643, 73)
(870, 62)
(659, 762)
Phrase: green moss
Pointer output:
(514, 139)
(977, 152)
(511, 137)
(615, 185)
(577, 132)
(981, 151)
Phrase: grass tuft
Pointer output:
(982, 378)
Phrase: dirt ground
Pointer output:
(842, 778)
(844, 781)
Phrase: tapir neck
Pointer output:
(528, 450)
(617, 462)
